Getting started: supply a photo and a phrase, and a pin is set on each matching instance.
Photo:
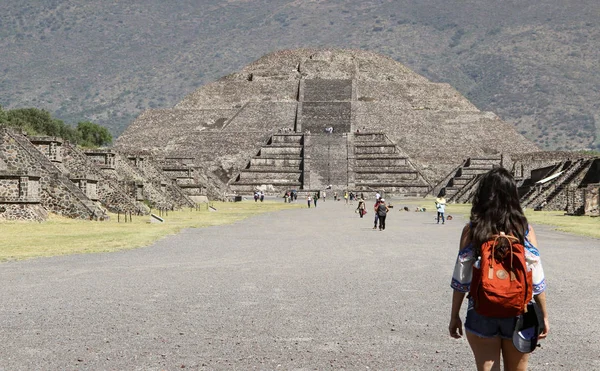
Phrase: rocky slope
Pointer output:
(533, 63)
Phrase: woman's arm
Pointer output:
(455, 326)
(532, 237)
(540, 298)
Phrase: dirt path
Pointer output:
(298, 289)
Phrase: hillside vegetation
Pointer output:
(533, 63)
(40, 122)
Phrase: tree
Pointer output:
(40, 122)
(93, 135)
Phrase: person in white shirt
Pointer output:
(440, 205)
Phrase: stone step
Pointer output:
(387, 177)
(381, 144)
(461, 181)
(280, 151)
(451, 190)
(271, 170)
(296, 184)
(365, 163)
(270, 176)
(484, 162)
(283, 145)
(381, 156)
(284, 156)
(394, 170)
(287, 138)
(472, 171)
(277, 162)
(379, 150)
(360, 138)
(392, 184)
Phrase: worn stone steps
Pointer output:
(260, 183)
(259, 162)
(392, 185)
(394, 170)
(377, 149)
(279, 151)
(381, 162)
(282, 156)
(285, 145)
(371, 156)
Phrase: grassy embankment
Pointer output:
(63, 236)
(580, 225)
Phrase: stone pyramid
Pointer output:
(303, 118)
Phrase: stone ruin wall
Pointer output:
(43, 174)
(54, 195)
(571, 193)
(591, 199)
(525, 163)
(20, 196)
(95, 164)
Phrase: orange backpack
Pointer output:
(501, 285)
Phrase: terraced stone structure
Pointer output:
(39, 175)
(47, 185)
(312, 118)
(558, 181)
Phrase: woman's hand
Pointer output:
(546, 329)
(455, 327)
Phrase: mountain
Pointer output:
(535, 64)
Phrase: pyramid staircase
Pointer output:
(461, 183)
(543, 195)
(277, 167)
(379, 164)
(527, 186)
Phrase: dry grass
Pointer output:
(579, 225)
(63, 236)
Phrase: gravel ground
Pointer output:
(294, 290)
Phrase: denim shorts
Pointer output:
(489, 327)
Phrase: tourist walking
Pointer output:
(335, 196)
(361, 207)
(440, 205)
(382, 211)
(324, 196)
(375, 207)
(315, 198)
(498, 236)
(262, 196)
(346, 197)
(308, 199)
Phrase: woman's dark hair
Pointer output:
(496, 208)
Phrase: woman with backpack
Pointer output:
(382, 211)
(498, 255)
(361, 208)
